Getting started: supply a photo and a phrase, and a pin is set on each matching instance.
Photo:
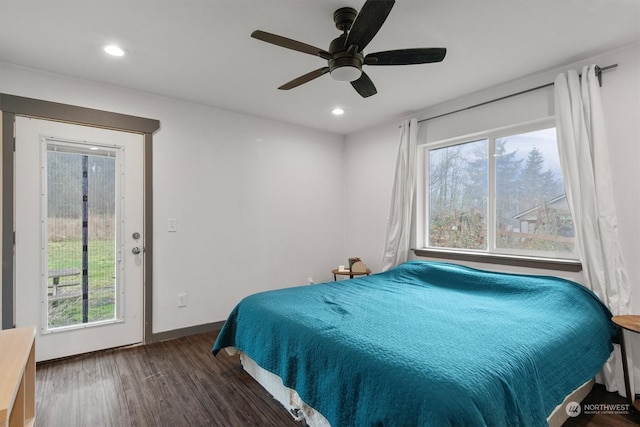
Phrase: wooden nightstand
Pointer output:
(630, 323)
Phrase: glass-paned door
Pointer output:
(79, 246)
(80, 231)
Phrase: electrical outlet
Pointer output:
(182, 300)
(172, 225)
(310, 280)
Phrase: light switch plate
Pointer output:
(172, 225)
(182, 300)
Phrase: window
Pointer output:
(499, 192)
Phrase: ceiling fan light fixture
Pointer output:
(346, 73)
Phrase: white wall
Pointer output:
(370, 163)
(370, 156)
(257, 202)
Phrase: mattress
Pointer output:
(427, 344)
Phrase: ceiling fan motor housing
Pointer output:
(343, 57)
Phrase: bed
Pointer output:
(426, 344)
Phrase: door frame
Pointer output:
(12, 106)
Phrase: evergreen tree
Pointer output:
(537, 186)
(507, 186)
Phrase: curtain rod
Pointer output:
(598, 70)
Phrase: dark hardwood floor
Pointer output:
(180, 383)
(171, 383)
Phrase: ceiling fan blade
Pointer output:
(304, 78)
(406, 56)
(368, 22)
(364, 86)
(291, 44)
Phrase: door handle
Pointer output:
(135, 250)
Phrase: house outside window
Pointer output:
(498, 192)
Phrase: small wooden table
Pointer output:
(630, 323)
(336, 272)
(18, 377)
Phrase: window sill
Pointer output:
(518, 261)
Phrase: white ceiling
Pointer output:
(201, 50)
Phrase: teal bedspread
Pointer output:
(427, 344)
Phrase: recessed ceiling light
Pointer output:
(337, 111)
(114, 50)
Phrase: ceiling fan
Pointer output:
(345, 56)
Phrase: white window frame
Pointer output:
(422, 204)
(94, 149)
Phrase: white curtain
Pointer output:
(582, 144)
(396, 247)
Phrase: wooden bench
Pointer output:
(63, 272)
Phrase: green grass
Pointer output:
(68, 254)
